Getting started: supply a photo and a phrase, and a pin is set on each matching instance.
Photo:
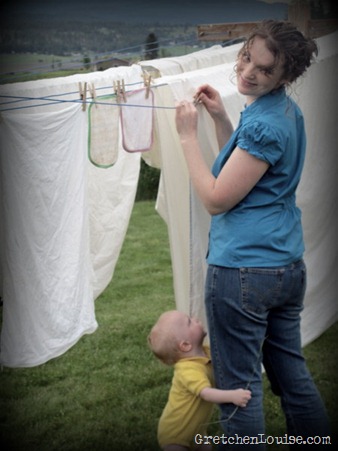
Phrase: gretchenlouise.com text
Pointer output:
(285, 439)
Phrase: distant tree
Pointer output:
(148, 182)
(86, 61)
(151, 47)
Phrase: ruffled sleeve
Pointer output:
(262, 141)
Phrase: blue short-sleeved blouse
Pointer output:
(264, 229)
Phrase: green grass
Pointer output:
(107, 392)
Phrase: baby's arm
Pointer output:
(239, 397)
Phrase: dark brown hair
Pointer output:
(286, 43)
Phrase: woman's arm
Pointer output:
(239, 397)
(212, 101)
(239, 175)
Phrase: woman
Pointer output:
(256, 276)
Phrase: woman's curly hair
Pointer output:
(285, 42)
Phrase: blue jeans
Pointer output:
(254, 317)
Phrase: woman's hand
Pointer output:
(186, 120)
(212, 101)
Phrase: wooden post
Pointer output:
(299, 13)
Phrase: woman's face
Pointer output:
(257, 72)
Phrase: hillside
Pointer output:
(66, 26)
(64, 38)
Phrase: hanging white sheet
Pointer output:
(111, 196)
(187, 220)
(317, 96)
(212, 56)
(64, 219)
(48, 295)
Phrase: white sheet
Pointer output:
(212, 56)
(64, 220)
(48, 295)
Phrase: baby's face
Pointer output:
(188, 328)
(196, 330)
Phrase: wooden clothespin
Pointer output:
(147, 81)
(83, 95)
(92, 93)
(119, 90)
(124, 91)
(116, 86)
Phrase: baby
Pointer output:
(177, 339)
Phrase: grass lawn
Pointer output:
(107, 392)
(20, 67)
(23, 67)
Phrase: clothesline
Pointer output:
(23, 98)
(89, 102)
(53, 101)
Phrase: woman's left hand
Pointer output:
(186, 120)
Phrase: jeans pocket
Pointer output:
(261, 288)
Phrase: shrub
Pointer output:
(148, 182)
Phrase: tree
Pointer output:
(151, 47)
(86, 61)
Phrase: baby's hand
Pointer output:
(241, 397)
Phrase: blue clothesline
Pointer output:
(52, 101)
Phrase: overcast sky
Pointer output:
(172, 11)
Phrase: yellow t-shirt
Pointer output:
(186, 414)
